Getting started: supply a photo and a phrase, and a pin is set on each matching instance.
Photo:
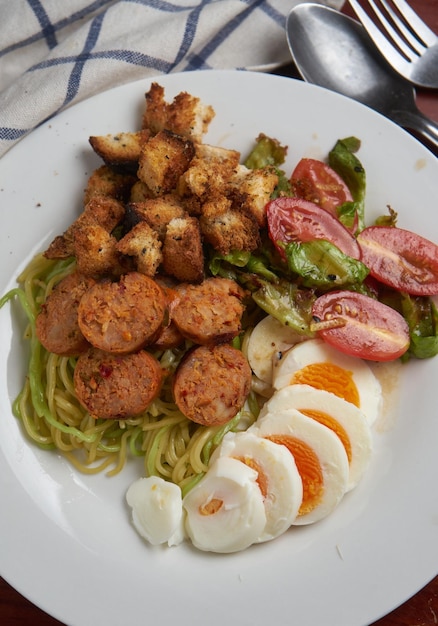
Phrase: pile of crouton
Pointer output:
(162, 197)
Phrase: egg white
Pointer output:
(237, 520)
(157, 512)
(317, 351)
(284, 487)
(329, 451)
(268, 337)
(351, 419)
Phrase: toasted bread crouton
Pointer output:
(215, 207)
(189, 117)
(206, 177)
(96, 251)
(106, 211)
(183, 255)
(155, 114)
(217, 154)
(61, 247)
(121, 150)
(192, 204)
(142, 243)
(210, 172)
(226, 228)
(186, 115)
(163, 159)
(254, 189)
(140, 192)
(103, 210)
(157, 212)
(106, 182)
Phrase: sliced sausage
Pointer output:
(211, 312)
(117, 386)
(169, 336)
(211, 384)
(57, 325)
(124, 316)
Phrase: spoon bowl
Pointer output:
(334, 51)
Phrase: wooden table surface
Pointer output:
(421, 609)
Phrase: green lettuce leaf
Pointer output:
(343, 160)
(322, 265)
(287, 303)
(421, 315)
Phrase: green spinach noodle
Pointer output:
(172, 446)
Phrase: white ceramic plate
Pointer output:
(66, 539)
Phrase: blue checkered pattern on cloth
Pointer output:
(55, 53)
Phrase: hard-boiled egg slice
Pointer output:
(278, 477)
(268, 337)
(345, 419)
(319, 455)
(319, 365)
(157, 512)
(225, 510)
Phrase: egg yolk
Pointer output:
(262, 479)
(214, 505)
(331, 423)
(330, 377)
(308, 467)
(211, 507)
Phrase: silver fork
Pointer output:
(409, 45)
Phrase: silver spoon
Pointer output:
(332, 50)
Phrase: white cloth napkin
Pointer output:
(54, 54)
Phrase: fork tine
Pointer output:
(386, 48)
(412, 56)
(407, 32)
(391, 32)
(418, 27)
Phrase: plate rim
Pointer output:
(129, 87)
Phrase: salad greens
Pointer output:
(421, 315)
(287, 287)
(287, 303)
(269, 152)
(322, 265)
(343, 160)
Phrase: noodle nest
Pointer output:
(172, 446)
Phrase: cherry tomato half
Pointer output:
(401, 259)
(294, 219)
(360, 326)
(317, 182)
